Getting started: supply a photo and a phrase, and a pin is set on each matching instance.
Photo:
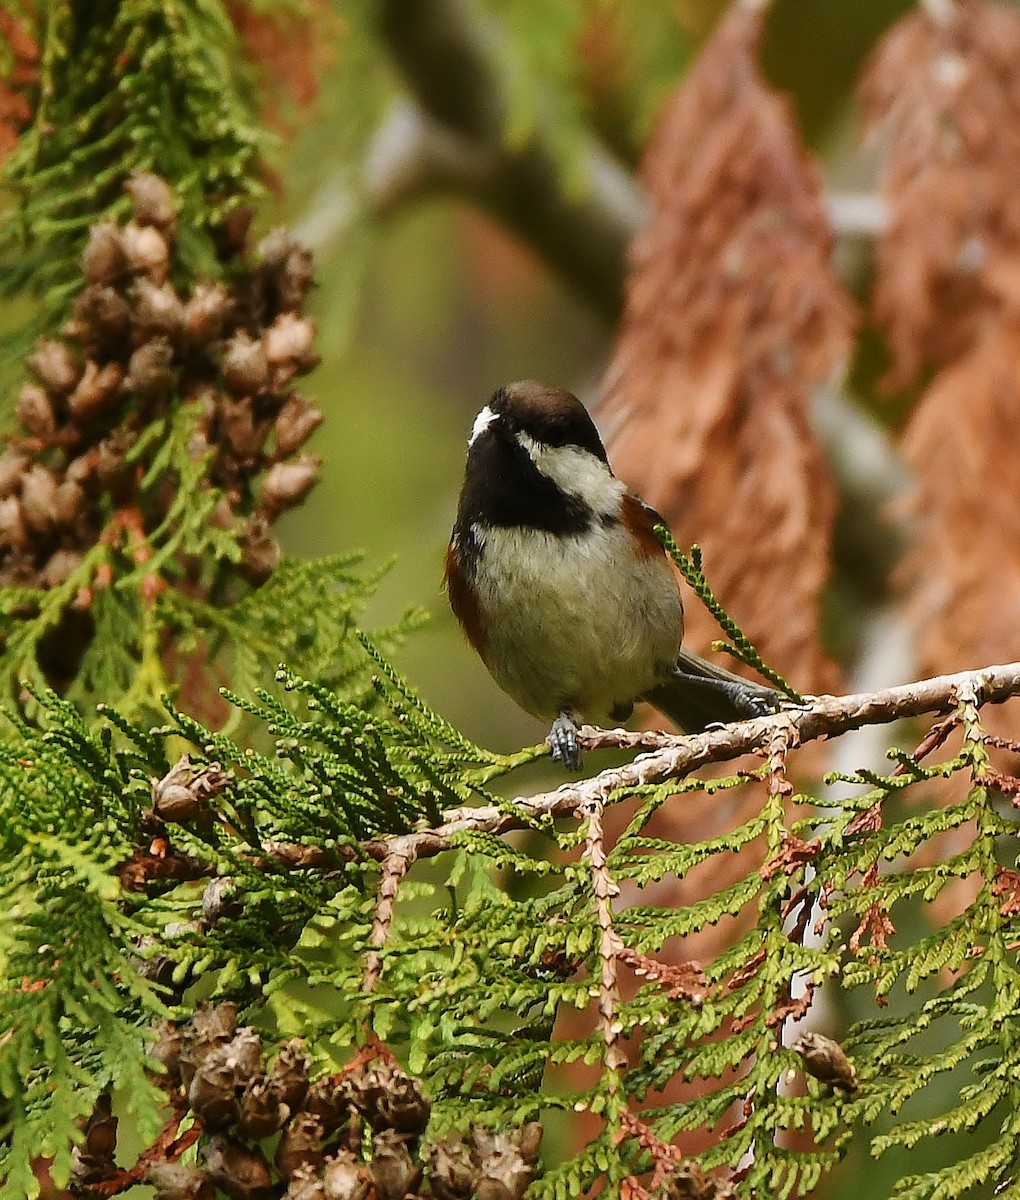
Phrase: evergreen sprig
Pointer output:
(127, 86)
(266, 892)
(740, 646)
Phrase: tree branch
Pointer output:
(452, 63)
(395, 867)
(605, 889)
(676, 757)
(449, 135)
(671, 757)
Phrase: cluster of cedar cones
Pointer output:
(133, 348)
(265, 1132)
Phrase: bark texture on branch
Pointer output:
(675, 757)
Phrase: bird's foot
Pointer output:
(756, 704)
(562, 741)
(749, 700)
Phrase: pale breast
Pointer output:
(578, 622)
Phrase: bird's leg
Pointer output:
(748, 699)
(562, 740)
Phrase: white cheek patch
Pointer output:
(482, 422)
(576, 472)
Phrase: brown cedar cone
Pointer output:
(103, 315)
(388, 1098)
(146, 251)
(826, 1060)
(344, 1178)
(287, 268)
(112, 470)
(329, 1099)
(240, 1172)
(97, 393)
(294, 278)
(219, 900)
(238, 427)
(289, 1073)
(287, 344)
(205, 314)
(183, 794)
(166, 1049)
(13, 530)
(157, 309)
(305, 1184)
(93, 1160)
(261, 1112)
(152, 201)
(274, 250)
(176, 1181)
(689, 1182)
(55, 365)
(393, 1169)
(505, 1161)
(35, 411)
(214, 1022)
(12, 467)
(301, 1143)
(70, 497)
(245, 366)
(287, 483)
(103, 259)
(39, 499)
(150, 374)
(222, 1072)
(260, 551)
(452, 1173)
(295, 423)
(59, 567)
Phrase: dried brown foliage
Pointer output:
(291, 46)
(965, 560)
(732, 316)
(945, 97)
(15, 110)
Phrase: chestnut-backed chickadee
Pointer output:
(561, 585)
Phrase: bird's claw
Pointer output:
(563, 742)
(751, 701)
(761, 706)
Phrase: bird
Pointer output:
(557, 577)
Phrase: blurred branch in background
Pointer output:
(414, 155)
(452, 63)
(450, 135)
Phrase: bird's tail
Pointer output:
(701, 694)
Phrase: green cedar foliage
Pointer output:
(159, 430)
(181, 104)
(496, 942)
